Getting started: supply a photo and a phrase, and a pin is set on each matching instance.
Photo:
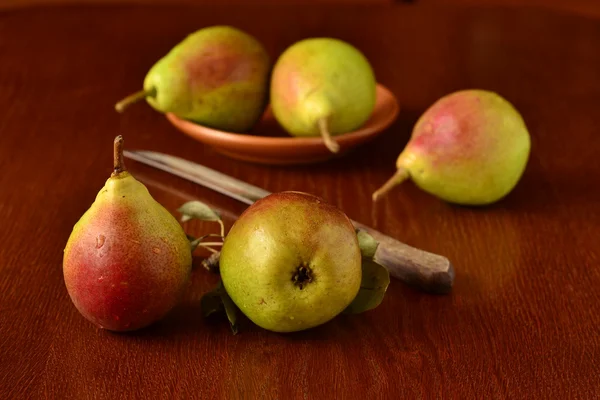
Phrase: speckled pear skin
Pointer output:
(470, 147)
(318, 78)
(127, 261)
(270, 241)
(217, 76)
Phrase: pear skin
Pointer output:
(127, 261)
(470, 147)
(322, 86)
(217, 77)
(291, 262)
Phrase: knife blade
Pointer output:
(429, 272)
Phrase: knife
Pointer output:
(429, 272)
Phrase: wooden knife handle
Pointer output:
(429, 272)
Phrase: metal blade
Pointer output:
(199, 174)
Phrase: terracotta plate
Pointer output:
(268, 143)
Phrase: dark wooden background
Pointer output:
(583, 7)
(523, 319)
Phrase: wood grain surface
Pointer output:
(523, 319)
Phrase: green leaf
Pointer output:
(211, 303)
(375, 281)
(368, 245)
(230, 310)
(197, 210)
(194, 243)
(217, 301)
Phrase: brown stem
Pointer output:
(133, 98)
(329, 142)
(400, 175)
(212, 262)
(119, 163)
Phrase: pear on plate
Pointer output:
(127, 261)
(470, 147)
(217, 77)
(322, 86)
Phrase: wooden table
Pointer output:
(523, 318)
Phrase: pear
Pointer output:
(322, 86)
(127, 261)
(470, 147)
(217, 77)
(291, 262)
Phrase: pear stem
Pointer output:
(213, 251)
(119, 163)
(212, 262)
(400, 175)
(133, 98)
(212, 243)
(222, 227)
(329, 142)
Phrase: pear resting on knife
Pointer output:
(426, 271)
(290, 262)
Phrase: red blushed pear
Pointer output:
(291, 262)
(217, 77)
(128, 261)
(470, 147)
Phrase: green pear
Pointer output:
(291, 262)
(322, 86)
(127, 261)
(217, 77)
(470, 147)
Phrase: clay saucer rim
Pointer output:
(203, 133)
